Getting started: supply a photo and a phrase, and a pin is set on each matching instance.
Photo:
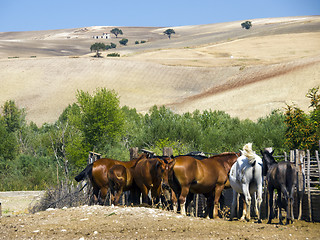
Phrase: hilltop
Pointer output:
(247, 73)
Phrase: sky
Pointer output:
(34, 15)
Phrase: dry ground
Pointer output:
(97, 222)
(247, 73)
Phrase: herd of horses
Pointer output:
(175, 180)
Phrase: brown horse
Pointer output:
(207, 176)
(98, 174)
(120, 179)
(149, 174)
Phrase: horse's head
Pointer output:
(267, 160)
(163, 168)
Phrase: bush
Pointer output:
(143, 41)
(136, 42)
(113, 55)
(123, 41)
(113, 45)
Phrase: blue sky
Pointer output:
(29, 15)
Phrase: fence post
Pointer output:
(167, 151)
(0, 210)
(318, 162)
(285, 156)
(308, 182)
(134, 152)
(197, 205)
(291, 156)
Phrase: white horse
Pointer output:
(246, 178)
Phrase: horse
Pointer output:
(152, 175)
(98, 175)
(246, 178)
(280, 176)
(207, 176)
(120, 179)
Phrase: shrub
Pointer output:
(123, 41)
(113, 55)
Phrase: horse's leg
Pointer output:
(258, 202)
(104, 193)
(246, 193)
(270, 191)
(189, 199)
(145, 197)
(279, 202)
(182, 199)
(234, 204)
(290, 216)
(217, 194)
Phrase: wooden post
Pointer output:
(291, 156)
(285, 156)
(133, 152)
(0, 210)
(167, 151)
(318, 162)
(197, 205)
(308, 182)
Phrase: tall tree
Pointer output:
(101, 118)
(169, 32)
(116, 32)
(98, 47)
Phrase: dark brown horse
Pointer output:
(283, 177)
(207, 176)
(98, 174)
(120, 179)
(149, 175)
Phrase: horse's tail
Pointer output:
(85, 172)
(249, 153)
(291, 176)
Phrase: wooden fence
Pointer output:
(308, 184)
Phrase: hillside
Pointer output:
(247, 73)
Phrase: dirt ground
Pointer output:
(102, 222)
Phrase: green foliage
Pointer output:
(116, 31)
(303, 130)
(98, 47)
(27, 173)
(8, 143)
(12, 116)
(101, 118)
(169, 32)
(113, 55)
(113, 45)
(247, 25)
(143, 41)
(123, 41)
(136, 42)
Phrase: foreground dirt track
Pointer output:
(97, 222)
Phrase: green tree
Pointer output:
(169, 32)
(13, 116)
(97, 47)
(246, 24)
(116, 32)
(101, 118)
(123, 41)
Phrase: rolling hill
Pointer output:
(246, 73)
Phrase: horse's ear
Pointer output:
(261, 152)
(272, 152)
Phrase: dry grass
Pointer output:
(215, 66)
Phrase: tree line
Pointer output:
(33, 157)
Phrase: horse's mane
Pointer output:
(249, 153)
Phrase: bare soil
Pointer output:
(102, 222)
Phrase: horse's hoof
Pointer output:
(259, 221)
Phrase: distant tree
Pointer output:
(123, 41)
(113, 45)
(169, 32)
(246, 25)
(98, 47)
(116, 32)
(13, 116)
